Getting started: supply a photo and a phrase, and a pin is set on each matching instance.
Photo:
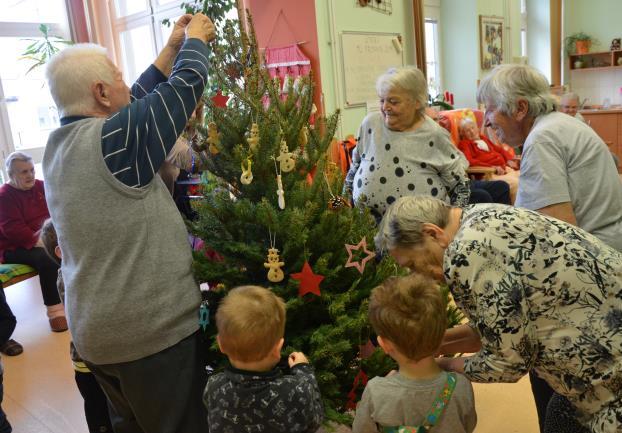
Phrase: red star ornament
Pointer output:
(359, 265)
(220, 100)
(309, 282)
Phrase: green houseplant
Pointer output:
(41, 50)
(578, 43)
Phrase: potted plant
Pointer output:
(578, 43)
(579, 62)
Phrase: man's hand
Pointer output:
(297, 358)
(177, 37)
(201, 27)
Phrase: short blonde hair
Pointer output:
(409, 312)
(250, 321)
(70, 73)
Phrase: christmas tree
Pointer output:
(272, 214)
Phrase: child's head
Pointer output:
(50, 240)
(410, 313)
(251, 323)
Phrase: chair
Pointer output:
(14, 273)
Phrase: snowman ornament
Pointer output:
(275, 273)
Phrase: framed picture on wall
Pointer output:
(491, 41)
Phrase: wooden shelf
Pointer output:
(596, 60)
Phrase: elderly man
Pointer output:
(569, 104)
(566, 170)
(131, 299)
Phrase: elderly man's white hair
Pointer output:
(506, 84)
(70, 74)
(402, 224)
(406, 78)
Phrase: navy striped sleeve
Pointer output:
(136, 139)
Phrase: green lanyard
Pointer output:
(435, 412)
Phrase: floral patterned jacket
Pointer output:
(543, 295)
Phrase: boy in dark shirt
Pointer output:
(253, 395)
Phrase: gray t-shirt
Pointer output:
(387, 165)
(564, 160)
(397, 400)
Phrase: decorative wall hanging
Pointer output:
(490, 41)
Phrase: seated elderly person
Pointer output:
(570, 104)
(401, 151)
(480, 151)
(23, 210)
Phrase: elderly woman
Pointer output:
(569, 103)
(540, 294)
(23, 210)
(401, 151)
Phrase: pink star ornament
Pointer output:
(359, 265)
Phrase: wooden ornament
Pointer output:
(275, 273)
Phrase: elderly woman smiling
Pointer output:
(540, 294)
(401, 151)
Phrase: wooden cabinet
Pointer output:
(602, 59)
(608, 125)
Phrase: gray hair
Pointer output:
(406, 78)
(466, 121)
(570, 96)
(70, 74)
(506, 84)
(402, 224)
(15, 156)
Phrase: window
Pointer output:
(432, 56)
(523, 28)
(139, 32)
(27, 112)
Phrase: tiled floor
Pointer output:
(40, 395)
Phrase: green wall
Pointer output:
(342, 16)
(460, 55)
(599, 18)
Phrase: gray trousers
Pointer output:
(161, 393)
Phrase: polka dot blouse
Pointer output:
(389, 164)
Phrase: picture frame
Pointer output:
(491, 41)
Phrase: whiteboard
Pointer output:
(365, 57)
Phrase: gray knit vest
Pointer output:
(126, 260)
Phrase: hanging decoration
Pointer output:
(247, 175)
(219, 99)
(253, 137)
(303, 136)
(309, 282)
(213, 138)
(286, 158)
(360, 380)
(335, 202)
(274, 263)
(280, 192)
(359, 265)
(366, 350)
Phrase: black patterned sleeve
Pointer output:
(309, 398)
(496, 303)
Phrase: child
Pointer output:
(408, 315)
(95, 401)
(253, 394)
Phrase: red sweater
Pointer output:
(22, 214)
(497, 156)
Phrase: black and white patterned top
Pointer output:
(544, 295)
(241, 401)
(387, 165)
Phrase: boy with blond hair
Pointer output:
(409, 316)
(253, 394)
